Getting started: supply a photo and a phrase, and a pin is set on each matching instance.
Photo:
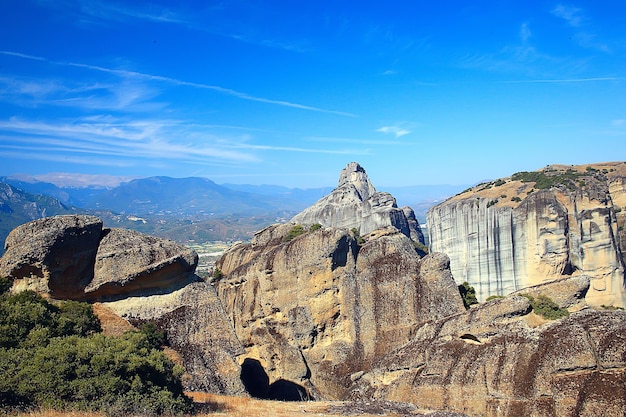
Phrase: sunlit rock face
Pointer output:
(497, 360)
(355, 203)
(509, 234)
(320, 308)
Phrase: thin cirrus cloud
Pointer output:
(563, 80)
(525, 32)
(572, 15)
(576, 18)
(102, 141)
(126, 96)
(174, 81)
(397, 131)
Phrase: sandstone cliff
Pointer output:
(141, 278)
(320, 308)
(501, 360)
(355, 203)
(535, 227)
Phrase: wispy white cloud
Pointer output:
(138, 141)
(398, 131)
(174, 81)
(564, 80)
(369, 142)
(572, 15)
(525, 32)
(576, 18)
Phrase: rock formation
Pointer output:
(320, 308)
(500, 360)
(140, 278)
(53, 255)
(355, 203)
(535, 227)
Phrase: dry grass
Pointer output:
(212, 405)
(228, 406)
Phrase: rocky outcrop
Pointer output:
(320, 308)
(355, 203)
(141, 278)
(195, 323)
(535, 227)
(129, 261)
(54, 255)
(495, 361)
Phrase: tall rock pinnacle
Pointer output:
(355, 203)
(354, 175)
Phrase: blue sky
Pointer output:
(289, 92)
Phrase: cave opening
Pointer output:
(256, 382)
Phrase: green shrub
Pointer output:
(422, 250)
(499, 182)
(468, 293)
(516, 199)
(155, 337)
(315, 227)
(217, 274)
(5, 285)
(555, 178)
(357, 236)
(605, 307)
(492, 202)
(117, 375)
(494, 297)
(545, 307)
(52, 357)
(295, 231)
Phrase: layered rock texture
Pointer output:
(355, 203)
(139, 277)
(502, 360)
(320, 308)
(535, 227)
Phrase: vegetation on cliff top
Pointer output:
(546, 307)
(53, 356)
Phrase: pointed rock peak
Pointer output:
(355, 175)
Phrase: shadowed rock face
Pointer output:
(493, 361)
(320, 308)
(140, 278)
(54, 255)
(355, 203)
(508, 235)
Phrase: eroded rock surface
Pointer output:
(320, 308)
(141, 278)
(495, 361)
(129, 261)
(53, 255)
(195, 323)
(355, 203)
(537, 227)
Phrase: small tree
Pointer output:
(468, 293)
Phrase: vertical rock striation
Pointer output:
(537, 227)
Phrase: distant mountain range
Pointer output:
(183, 209)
